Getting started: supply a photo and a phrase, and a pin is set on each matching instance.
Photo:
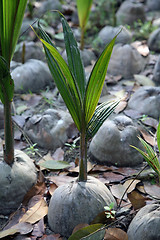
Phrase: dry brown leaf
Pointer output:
(37, 212)
(115, 234)
(22, 228)
(113, 177)
(134, 114)
(141, 189)
(90, 166)
(150, 122)
(38, 189)
(38, 229)
(148, 137)
(61, 180)
(126, 171)
(52, 188)
(8, 232)
(137, 200)
(58, 154)
(51, 237)
(133, 185)
(152, 190)
(121, 106)
(102, 168)
(118, 191)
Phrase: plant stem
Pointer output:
(83, 158)
(82, 38)
(9, 136)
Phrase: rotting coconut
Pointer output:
(77, 202)
(145, 225)
(16, 180)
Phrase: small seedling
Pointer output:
(73, 145)
(150, 156)
(31, 150)
(109, 212)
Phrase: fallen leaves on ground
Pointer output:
(115, 234)
(38, 189)
(152, 189)
(34, 214)
(148, 137)
(22, 228)
(138, 200)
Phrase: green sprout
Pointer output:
(32, 150)
(109, 212)
(80, 96)
(150, 156)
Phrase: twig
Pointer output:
(130, 185)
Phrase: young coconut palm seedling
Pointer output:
(79, 201)
(145, 225)
(17, 171)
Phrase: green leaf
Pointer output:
(74, 58)
(11, 16)
(99, 235)
(6, 82)
(86, 231)
(63, 78)
(54, 165)
(158, 136)
(149, 156)
(83, 7)
(96, 81)
(102, 112)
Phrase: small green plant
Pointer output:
(48, 100)
(81, 97)
(109, 212)
(83, 7)
(73, 145)
(143, 117)
(31, 150)
(142, 30)
(104, 14)
(150, 156)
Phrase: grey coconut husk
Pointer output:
(146, 224)
(77, 202)
(15, 181)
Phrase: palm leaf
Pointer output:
(11, 16)
(101, 113)
(74, 58)
(149, 156)
(96, 81)
(62, 77)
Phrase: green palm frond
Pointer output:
(11, 16)
(149, 156)
(101, 113)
